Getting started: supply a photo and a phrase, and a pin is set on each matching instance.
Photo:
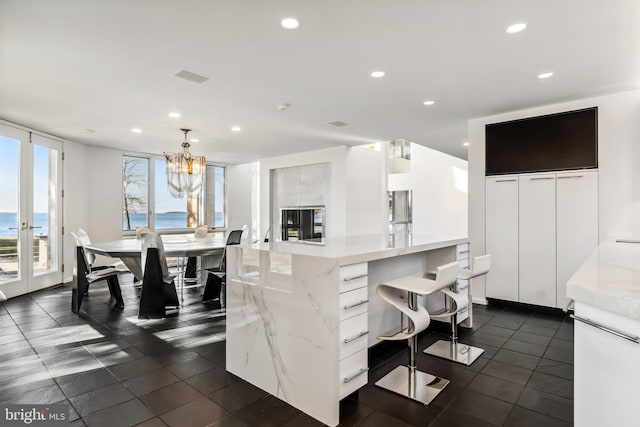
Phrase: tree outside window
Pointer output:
(135, 198)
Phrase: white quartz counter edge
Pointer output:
(355, 253)
(610, 279)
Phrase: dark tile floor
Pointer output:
(114, 370)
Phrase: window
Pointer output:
(215, 183)
(169, 212)
(144, 183)
(135, 192)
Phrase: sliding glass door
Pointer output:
(30, 211)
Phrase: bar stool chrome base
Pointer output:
(454, 351)
(416, 385)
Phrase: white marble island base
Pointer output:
(300, 319)
(282, 333)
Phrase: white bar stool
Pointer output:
(407, 381)
(457, 302)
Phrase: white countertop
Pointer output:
(350, 250)
(610, 279)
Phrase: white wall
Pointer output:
(335, 201)
(353, 188)
(366, 192)
(239, 185)
(104, 195)
(75, 207)
(439, 185)
(618, 157)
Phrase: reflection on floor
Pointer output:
(115, 370)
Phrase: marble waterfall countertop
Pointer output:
(610, 279)
(354, 249)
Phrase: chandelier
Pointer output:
(185, 172)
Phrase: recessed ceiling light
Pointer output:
(290, 23)
(516, 28)
(136, 130)
(175, 115)
(194, 140)
(466, 144)
(377, 74)
(429, 102)
(545, 75)
(236, 128)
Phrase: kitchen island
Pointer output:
(301, 317)
(606, 291)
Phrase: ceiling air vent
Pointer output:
(192, 77)
(338, 124)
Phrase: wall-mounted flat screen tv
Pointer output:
(553, 142)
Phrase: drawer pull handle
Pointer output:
(506, 180)
(364, 301)
(568, 177)
(615, 332)
(360, 335)
(464, 252)
(540, 178)
(356, 375)
(359, 276)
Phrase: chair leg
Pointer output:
(213, 291)
(170, 295)
(153, 293)
(408, 381)
(116, 293)
(80, 282)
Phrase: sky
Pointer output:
(9, 169)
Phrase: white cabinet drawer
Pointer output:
(353, 335)
(352, 373)
(353, 276)
(352, 303)
(463, 263)
(462, 251)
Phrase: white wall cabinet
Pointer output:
(537, 239)
(576, 225)
(502, 237)
(539, 229)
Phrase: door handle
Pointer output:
(32, 227)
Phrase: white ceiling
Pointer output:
(71, 65)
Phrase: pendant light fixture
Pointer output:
(185, 172)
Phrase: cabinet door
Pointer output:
(537, 239)
(576, 224)
(502, 237)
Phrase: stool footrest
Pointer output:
(454, 351)
(413, 384)
(442, 314)
(398, 336)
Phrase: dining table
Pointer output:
(130, 252)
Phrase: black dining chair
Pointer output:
(86, 275)
(158, 287)
(214, 289)
(191, 267)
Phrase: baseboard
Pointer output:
(482, 301)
